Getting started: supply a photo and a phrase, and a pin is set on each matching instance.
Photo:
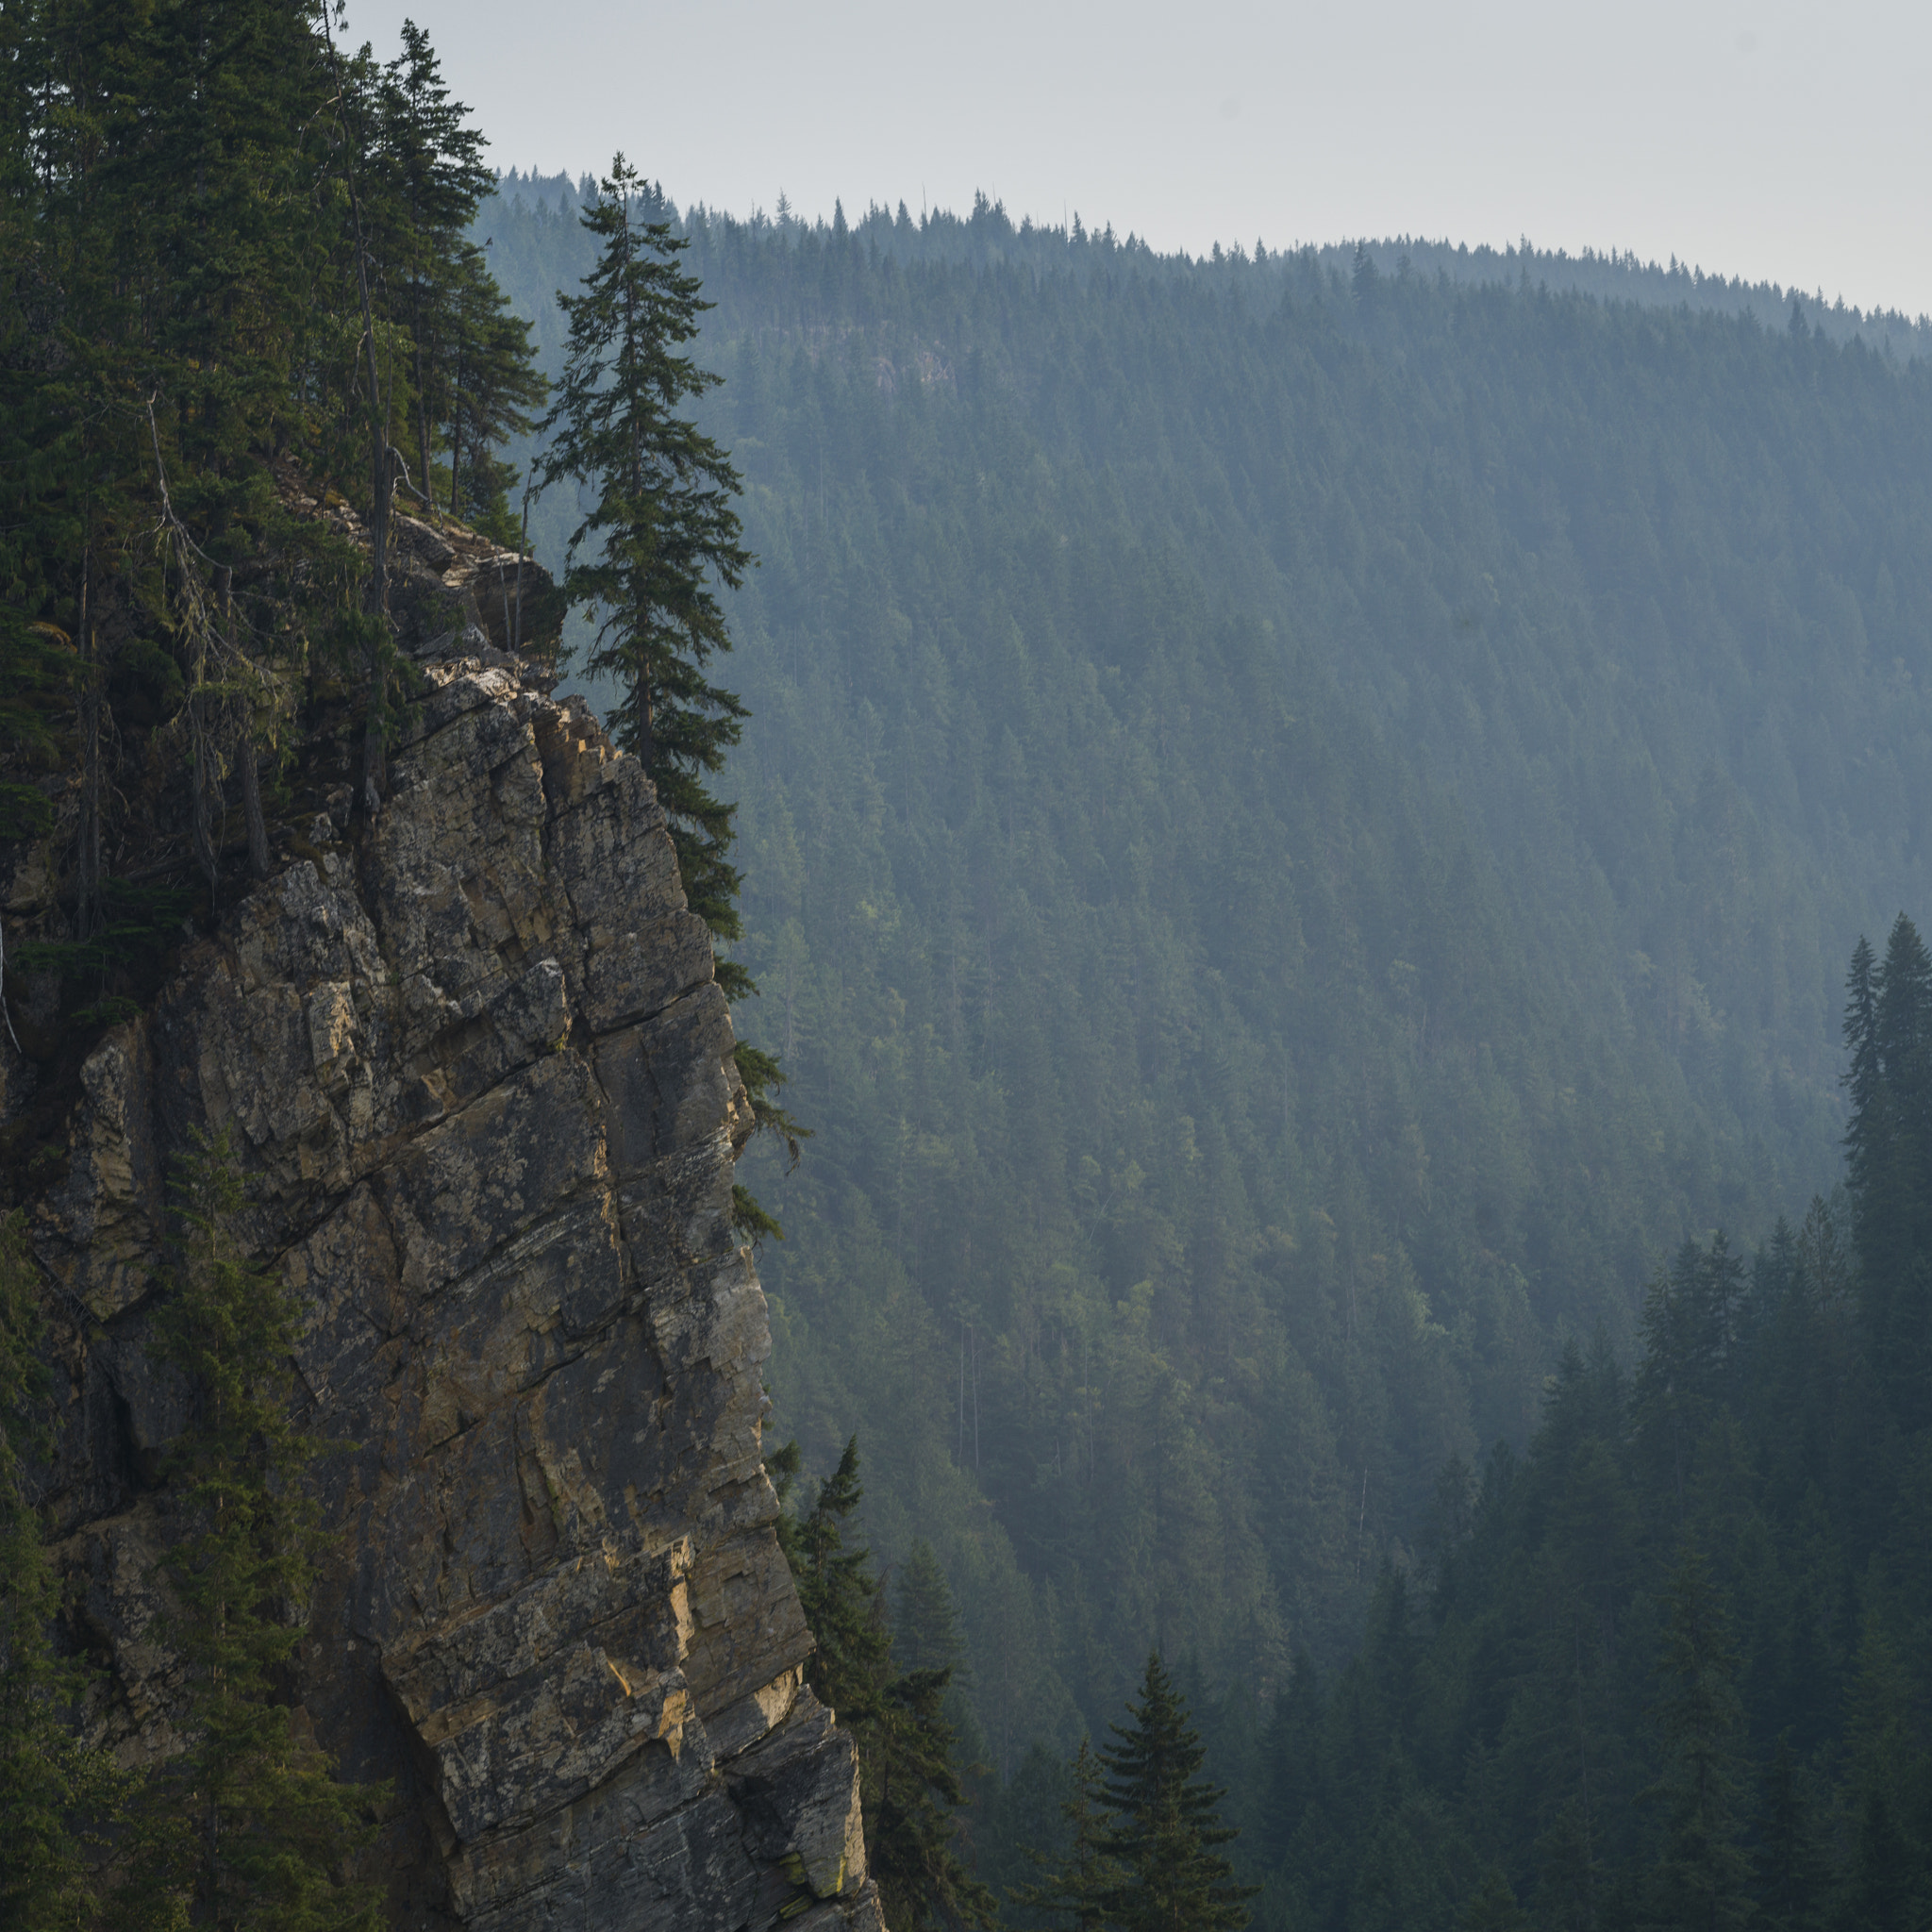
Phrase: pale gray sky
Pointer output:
(1755, 137)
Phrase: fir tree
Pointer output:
(925, 1630)
(1701, 1878)
(1165, 1837)
(911, 1791)
(1889, 1142)
(248, 1829)
(837, 1588)
(659, 543)
(662, 536)
(1494, 1907)
(492, 384)
(1790, 1875)
(431, 166)
(1885, 1767)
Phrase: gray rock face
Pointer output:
(480, 1075)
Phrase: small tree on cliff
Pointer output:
(908, 1785)
(248, 1827)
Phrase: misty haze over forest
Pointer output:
(898, 1070)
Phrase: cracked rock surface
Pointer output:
(479, 1074)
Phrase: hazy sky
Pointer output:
(1756, 136)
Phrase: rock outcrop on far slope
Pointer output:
(480, 1075)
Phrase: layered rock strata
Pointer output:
(481, 1077)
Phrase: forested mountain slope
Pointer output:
(1301, 831)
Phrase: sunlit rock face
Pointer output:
(479, 1074)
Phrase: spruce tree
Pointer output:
(490, 384)
(1493, 1908)
(662, 536)
(1165, 1836)
(1790, 1875)
(837, 1588)
(248, 1829)
(925, 1629)
(1889, 1142)
(909, 1784)
(650, 558)
(911, 1790)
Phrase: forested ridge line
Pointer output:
(987, 234)
(1295, 849)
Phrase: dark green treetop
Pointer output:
(1166, 1836)
(1702, 1877)
(661, 536)
(248, 1827)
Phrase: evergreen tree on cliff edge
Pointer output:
(651, 555)
(1165, 1842)
(661, 535)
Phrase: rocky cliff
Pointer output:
(480, 1075)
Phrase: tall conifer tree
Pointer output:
(661, 538)
(1166, 1835)
(659, 543)
(909, 1786)
(1702, 1880)
(1073, 1888)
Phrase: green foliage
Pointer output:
(662, 536)
(892, 1705)
(1793, 1876)
(247, 1827)
(141, 924)
(1163, 1867)
(492, 389)
(24, 812)
(1701, 1876)
(1077, 1877)
(427, 176)
(1889, 1143)
(1295, 846)
(1494, 1907)
(35, 660)
(1663, 1678)
(50, 1784)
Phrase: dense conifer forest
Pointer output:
(1301, 821)
(1304, 818)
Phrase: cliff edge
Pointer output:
(480, 1075)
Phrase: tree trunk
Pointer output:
(245, 754)
(422, 407)
(90, 913)
(522, 551)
